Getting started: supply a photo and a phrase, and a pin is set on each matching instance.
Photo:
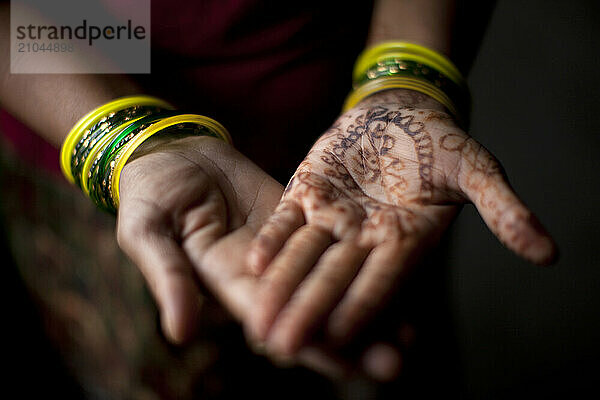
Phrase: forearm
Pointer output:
(440, 25)
(425, 22)
(452, 27)
(51, 104)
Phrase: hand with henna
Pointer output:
(189, 210)
(373, 194)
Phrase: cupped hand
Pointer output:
(374, 192)
(189, 209)
(180, 200)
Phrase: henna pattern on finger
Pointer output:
(481, 175)
(476, 164)
(391, 222)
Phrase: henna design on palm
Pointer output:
(374, 192)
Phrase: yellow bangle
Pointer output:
(380, 84)
(401, 65)
(155, 128)
(418, 53)
(90, 119)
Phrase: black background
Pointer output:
(525, 331)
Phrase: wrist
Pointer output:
(102, 142)
(409, 66)
(403, 97)
(162, 143)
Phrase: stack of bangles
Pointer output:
(98, 146)
(401, 65)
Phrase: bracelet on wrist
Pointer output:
(401, 65)
(100, 144)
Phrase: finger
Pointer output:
(286, 218)
(382, 271)
(382, 362)
(220, 257)
(169, 275)
(219, 260)
(342, 217)
(379, 361)
(284, 274)
(482, 180)
(316, 296)
(222, 270)
(323, 361)
(318, 358)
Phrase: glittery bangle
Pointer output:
(408, 66)
(398, 67)
(205, 127)
(411, 51)
(97, 151)
(93, 136)
(107, 153)
(84, 125)
(106, 198)
(98, 146)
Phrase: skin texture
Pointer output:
(189, 210)
(374, 192)
(177, 206)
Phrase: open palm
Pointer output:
(374, 192)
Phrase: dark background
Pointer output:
(525, 331)
(521, 331)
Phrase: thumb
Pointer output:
(482, 180)
(169, 275)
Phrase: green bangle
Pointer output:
(393, 66)
(100, 163)
(100, 144)
(104, 193)
(103, 127)
(396, 64)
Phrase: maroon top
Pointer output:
(273, 72)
